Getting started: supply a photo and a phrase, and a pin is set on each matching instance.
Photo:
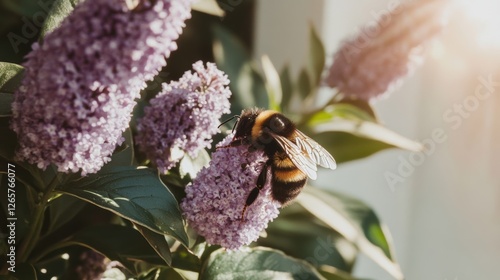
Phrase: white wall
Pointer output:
(282, 30)
(444, 217)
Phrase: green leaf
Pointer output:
(157, 242)
(247, 85)
(313, 240)
(173, 179)
(286, 87)
(23, 175)
(192, 166)
(11, 76)
(120, 243)
(231, 56)
(134, 194)
(356, 222)
(368, 130)
(62, 210)
(349, 132)
(363, 105)
(273, 83)
(346, 146)
(21, 8)
(316, 56)
(58, 12)
(208, 7)
(258, 263)
(304, 84)
(339, 111)
(6, 104)
(229, 52)
(184, 259)
(251, 83)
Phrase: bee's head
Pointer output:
(246, 123)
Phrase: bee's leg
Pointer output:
(254, 193)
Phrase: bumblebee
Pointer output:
(293, 156)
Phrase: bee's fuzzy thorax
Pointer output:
(260, 120)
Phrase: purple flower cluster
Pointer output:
(373, 62)
(214, 201)
(79, 87)
(184, 116)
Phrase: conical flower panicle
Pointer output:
(79, 85)
(184, 116)
(374, 62)
(215, 199)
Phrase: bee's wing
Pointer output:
(301, 161)
(313, 150)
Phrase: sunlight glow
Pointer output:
(486, 15)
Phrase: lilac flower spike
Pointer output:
(375, 60)
(184, 116)
(79, 85)
(215, 200)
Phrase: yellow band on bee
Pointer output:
(294, 175)
(259, 121)
(282, 161)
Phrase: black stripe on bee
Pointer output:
(285, 192)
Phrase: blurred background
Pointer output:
(444, 211)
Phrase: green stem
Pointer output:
(33, 234)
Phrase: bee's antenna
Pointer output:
(234, 126)
(231, 118)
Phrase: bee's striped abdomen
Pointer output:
(287, 179)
